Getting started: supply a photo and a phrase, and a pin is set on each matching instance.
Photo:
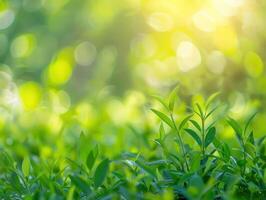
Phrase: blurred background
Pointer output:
(68, 66)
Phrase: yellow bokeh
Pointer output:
(225, 39)
(30, 94)
(253, 64)
(60, 70)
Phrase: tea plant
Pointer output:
(200, 167)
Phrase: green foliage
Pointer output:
(202, 167)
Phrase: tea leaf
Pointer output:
(194, 136)
(211, 99)
(90, 160)
(197, 126)
(162, 131)
(163, 117)
(249, 121)
(101, 172)
(172, 98)
(184, 121)
(26, 166)
(251, 138)
(80, 183)
(200, 110)
(159, 99)
(237, 129)
(210, 136)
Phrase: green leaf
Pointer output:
(195, 161)
(184, 121)
(172, 98)
(194, 136)
(82, 147)
(226, 151)
(211, 99)
(146, 168)
(163, 117)
(251, 138)
(200, 110)
(101, 172)
(210, 136)
(250, 149)
(237, 129)
(249, 121)
(26, 166)
(209, 113)
(70, 194)
(161, 101)
(80, 184)
(90, 160)
(162, 131)
(197, 126)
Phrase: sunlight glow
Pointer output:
(160, 22)
(188, 56)
(204, 21)
(216, 62)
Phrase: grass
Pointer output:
(206, 168)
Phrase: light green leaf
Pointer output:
(211, 99)
(161, 101)
(163, 117)
(162, 131)
(184, 121)
(237, 129)
(26, 166)
(200, 110)
(172, 98)
(249, 121)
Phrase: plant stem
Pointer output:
(180, 141)
(203, 135)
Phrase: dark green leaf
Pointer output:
(80, 183)
(90, 160)
(226, 151)
(194, 136)
(210, 136)
(146, 168)
(101, 172)
(251, 138)
(197, 126)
